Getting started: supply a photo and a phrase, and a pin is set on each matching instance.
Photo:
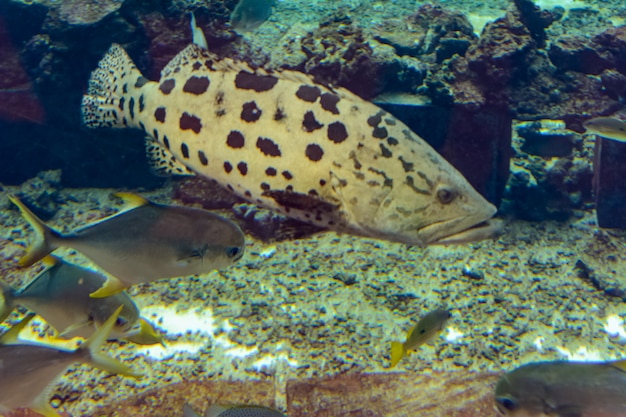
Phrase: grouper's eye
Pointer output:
(506, 403)
(233, 252)
(445, 195)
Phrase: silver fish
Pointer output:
(60, 295)
(278, 139)
(28, 370)
(250, 14)
(607, 127)
(233, 411)
(563, 389)
(145, 243)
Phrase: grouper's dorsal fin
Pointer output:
(162, 162)
(10, 337)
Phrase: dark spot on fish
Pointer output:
(250, 112)
(312, 192)
(120, 105)
(309, 123)
(390, 121)
(427, 180)
(166, 142)
(243, 168)
(329, 102)
(220, 112)
(392, 141)
(228, 167)
(190, 122)
(376, 119)
(248, 194)
(203, 159)
(247, 81)
(167, 86)
(125, 88)
(230, 187)
(131, 107)
(314, 152)
(287, 175)
(235, 139)
(159, 114)
(208, 63)
(196, 85)
(155, 134)
(142, 126)
(385, 151)
(322, 182)
(289, 188)
(268, 147)
(308, 93)
(411, 183)
(380, 132)
(185, 150)
(279, 114)
(359, 175)
(270, 172)
(219, 98)
(196, 66)
(337, 132)
(265, 186)
(124, 121)
(388, 182)
(141, 81)
(407, 166)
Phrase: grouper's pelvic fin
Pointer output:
(115, 79)
(45, 239)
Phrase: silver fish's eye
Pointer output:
(233, 252)
(445, 195)
(120, 322)
(506, 403)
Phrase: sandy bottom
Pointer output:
(332, 304)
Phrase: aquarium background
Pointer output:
(304, 321)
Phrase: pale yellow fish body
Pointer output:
(607, 127)
(280, 140)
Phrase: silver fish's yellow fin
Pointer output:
(115, 76)
(198, 36)
(50, 260)
(131, 200)
(10, 337)
(70, 329)
(147, 334)
(94, 343)
(162, 162)
(44, 235)
(6, 300)
(110, 287)
(41, 405)
(620, 364)
(397, 353)
(189, 412)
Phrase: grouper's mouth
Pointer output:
(487, 229)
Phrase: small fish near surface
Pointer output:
(233, 411)
(60, 295)
(607, 127)
(428, 327)
(144, 243)
(280, 140)
(250, 14)
(28, 370)
(563, 389)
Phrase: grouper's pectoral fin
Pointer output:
(111, 286)
(162, 162)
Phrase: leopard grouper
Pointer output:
(27, 371)
(144, 243)
(60, 295)
(278, 139)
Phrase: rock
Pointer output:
(547, 138)
(87, 12)
(608, 183)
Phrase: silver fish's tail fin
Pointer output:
(197, 34)
(45, 240)
(6, 300)
(110, 101)
(94, 343)
(397, 353)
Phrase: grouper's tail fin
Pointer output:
(45, 240)
(94, 343)
(110, 101)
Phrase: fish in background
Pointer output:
(60, 295)
(250, 14)
(144, 243)
(428, 327)
(563, 389)
(233, 411)
(282, 141)
(27, 371)
(607, 127)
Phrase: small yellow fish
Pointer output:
(563, 389)
(429, 326)
(250, 14)
(233, 411)
(145, 243)
(607, 127)
(27, 370)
